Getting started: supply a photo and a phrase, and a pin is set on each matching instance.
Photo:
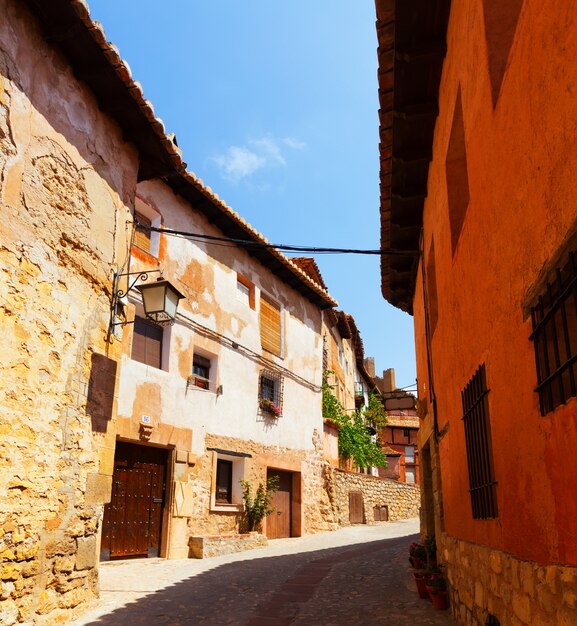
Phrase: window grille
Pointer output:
(478, 443)
(554, 337)
(271, 387)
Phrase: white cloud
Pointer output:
(239, 162)
(269, 148)
(294, 143)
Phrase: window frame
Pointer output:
(238, 464)
(221, 463)
(554, 337)
(151, 215)
(249, 286)
(479, 447)
(203, 364)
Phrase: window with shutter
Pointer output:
(147, 343)
(270, 326)
(142, 233)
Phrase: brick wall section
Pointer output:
(483, 581)
(402, 500)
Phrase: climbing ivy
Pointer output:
(355, 440)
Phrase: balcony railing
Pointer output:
(359, 390)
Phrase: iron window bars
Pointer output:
(478, 443)
(270, 389)
(554, 337)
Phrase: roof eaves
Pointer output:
(412, 45)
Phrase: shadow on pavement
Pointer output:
(257, 591)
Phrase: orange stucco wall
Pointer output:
(521, 162)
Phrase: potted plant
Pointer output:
(419, 577)
(268, 406)
(417, 555)
(438, 591)
(257, 507)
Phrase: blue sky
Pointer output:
(275, 107)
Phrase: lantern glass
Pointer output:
(160, 300)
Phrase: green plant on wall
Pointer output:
(257, 507)
(374, 413)
(355, 441)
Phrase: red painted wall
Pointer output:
(521, 167)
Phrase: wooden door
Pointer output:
(133, 519)
(356, 507)
(278, 523)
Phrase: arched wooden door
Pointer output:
(133, 519)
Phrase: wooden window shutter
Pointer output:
(270, 326)
(142, 235)
(147, 343)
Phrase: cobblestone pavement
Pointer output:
(356, 576)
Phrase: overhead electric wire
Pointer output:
(249, 243)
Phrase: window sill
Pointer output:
(226, 508)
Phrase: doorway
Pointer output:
(132, 523)
(278, 523)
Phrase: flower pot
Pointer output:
(440, 600)
(430, 590)
(416, 562)
(421, 587)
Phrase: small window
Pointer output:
(223, 494)
(410, 475)
(142, 231)
(147, 343)
(406, 433)
(555, 338)
(409, 454)
(245, 290)
(270, 326)
(479, 448)
(270, 393)
(201, 371)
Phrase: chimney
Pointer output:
(370, 366)
(389, 380)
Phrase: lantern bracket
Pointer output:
(118, 294)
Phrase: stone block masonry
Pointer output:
(66, 178)
(401, 499)
(219, 545)
(484, 581)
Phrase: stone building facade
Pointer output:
(477, 190)
(68, 174)
(248, 333)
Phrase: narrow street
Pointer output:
(358, 575)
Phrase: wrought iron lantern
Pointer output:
(160, 298)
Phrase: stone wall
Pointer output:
(219, 545)
(66, 178)
(401, 499)
(485, 581)
(205, 519)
